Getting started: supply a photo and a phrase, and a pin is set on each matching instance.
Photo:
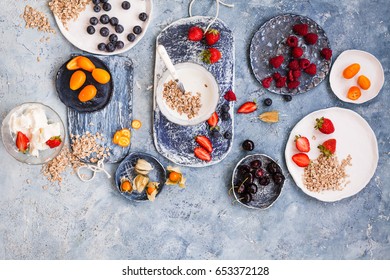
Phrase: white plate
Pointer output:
(77, 30)
(195, 78)
(369, 66)
(354, 137)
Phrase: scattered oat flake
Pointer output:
(36, 19)
(270, 117)
(67, 10)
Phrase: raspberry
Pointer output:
(292, 41)
(293, 84)
(301, 29)
(296, 74)
(290, 76)
(281, 82)
(276, 61)
(276, 76)
(311, 70)
(304, 63)
(293, 65)
(297, 52)
(311, 38)
(326, 53)
(266, 82)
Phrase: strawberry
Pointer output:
(326, 53)
(324, 125)
(311, 38)
(302, 143)
(212, 36)
(22, 142)
(247, 107)
(211, 55)
(266, 82)
(195, 33)
(328, 148)
(54, 141)
(304, 63)
(276, 61)
(293, 64)
(281, 82)
(301, 159)
(202, 154)
(230, 96)
(300, 29)
(311, 69)
(297, 52)
(213, 120)
(293, 84)
(204, 142)
(292, 41)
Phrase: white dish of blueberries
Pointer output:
(257, 181)
(108, 27)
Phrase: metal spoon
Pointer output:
(171, 68)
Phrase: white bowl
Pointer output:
(195, 78)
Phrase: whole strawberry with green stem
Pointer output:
(212, 36)
(324, 125)
(328, 148)
(211, 55)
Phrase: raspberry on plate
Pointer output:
(292, 41)
(281, 82)
(301, 29)
(266, 82)
(304, 63)
(276, 61)
(297, 52)
(293, 84)
(311, 38)
(311, 70)
(326, 53)
(276, 76)
(293, 64)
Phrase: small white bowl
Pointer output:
(195, 78)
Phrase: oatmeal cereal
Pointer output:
(326, 173)
(36, 19)
(66, 10)
(183, 103)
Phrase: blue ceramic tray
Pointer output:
(176, 142)
(116, 115)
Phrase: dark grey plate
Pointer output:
(70, 97)
(126, 169)
(269, 41)
(266, 195)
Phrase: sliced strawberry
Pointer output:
(202, 154)
(301, 159)
(324, 125)
(328, 148)
(22, 142)
(247, 107)
(204, 142)
(302, 143)
(230, 96)
(54, 141)
(213, 120)
(211, 55)
(195, 33)
(212, 36)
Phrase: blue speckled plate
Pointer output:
(126, 170)
(116, 115)
(269, 41)
(176, 142)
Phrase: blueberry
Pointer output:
(96, 2)
(214, 133)
(248, 145)
(287, 97)
(90, 29)
(268, 102)
(110, 47)
(228, 135)
(106, 7)
(131, 37)
(113, 38)
(104, 19)
(126, 5)
(119, 28)
(102, 47)
(93, 20)
(143, 16)
(96, 8)
(103, 1)
(114, 21)
(104, 31)
(137, 29)
(225, 116)
(225, 108)
(119, 45)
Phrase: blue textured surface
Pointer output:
(93, 221)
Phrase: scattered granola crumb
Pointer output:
(66, 10)
(326, 173)
(38, 59)
(36, 19)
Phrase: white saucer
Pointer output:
(354, 137)
(369, 66)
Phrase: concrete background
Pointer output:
(93, 221)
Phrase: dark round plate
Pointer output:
(269, 41)
(266, 195)
(70, 97)
(126, 169)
